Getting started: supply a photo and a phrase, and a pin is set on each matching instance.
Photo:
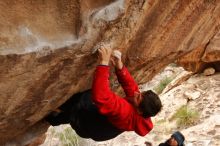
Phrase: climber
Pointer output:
(131, 113)
(176, 139)
(102, 115)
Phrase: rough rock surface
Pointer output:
(203, 57)
(47, 48)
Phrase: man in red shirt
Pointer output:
(131, 113)
(102, 115)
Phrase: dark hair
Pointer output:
(150, 104)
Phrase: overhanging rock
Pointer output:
(47, 48)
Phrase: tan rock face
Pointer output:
(203, 57)
(38, 141)
(212, 53)
(192, 61)
(47, 47)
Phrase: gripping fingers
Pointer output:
(117, 54)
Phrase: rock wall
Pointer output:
(203, 56)
(48, 48)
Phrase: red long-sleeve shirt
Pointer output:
(118, 110)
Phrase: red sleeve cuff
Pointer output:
(102, 71)
(120, 71)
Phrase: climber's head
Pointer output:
(176, 139)
(147, 103)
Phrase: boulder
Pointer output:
(192, 60)
(192, 94)
(203, 57)
(212, 52)
(48, 48)
(209, 71)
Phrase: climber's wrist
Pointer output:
(103, 62)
